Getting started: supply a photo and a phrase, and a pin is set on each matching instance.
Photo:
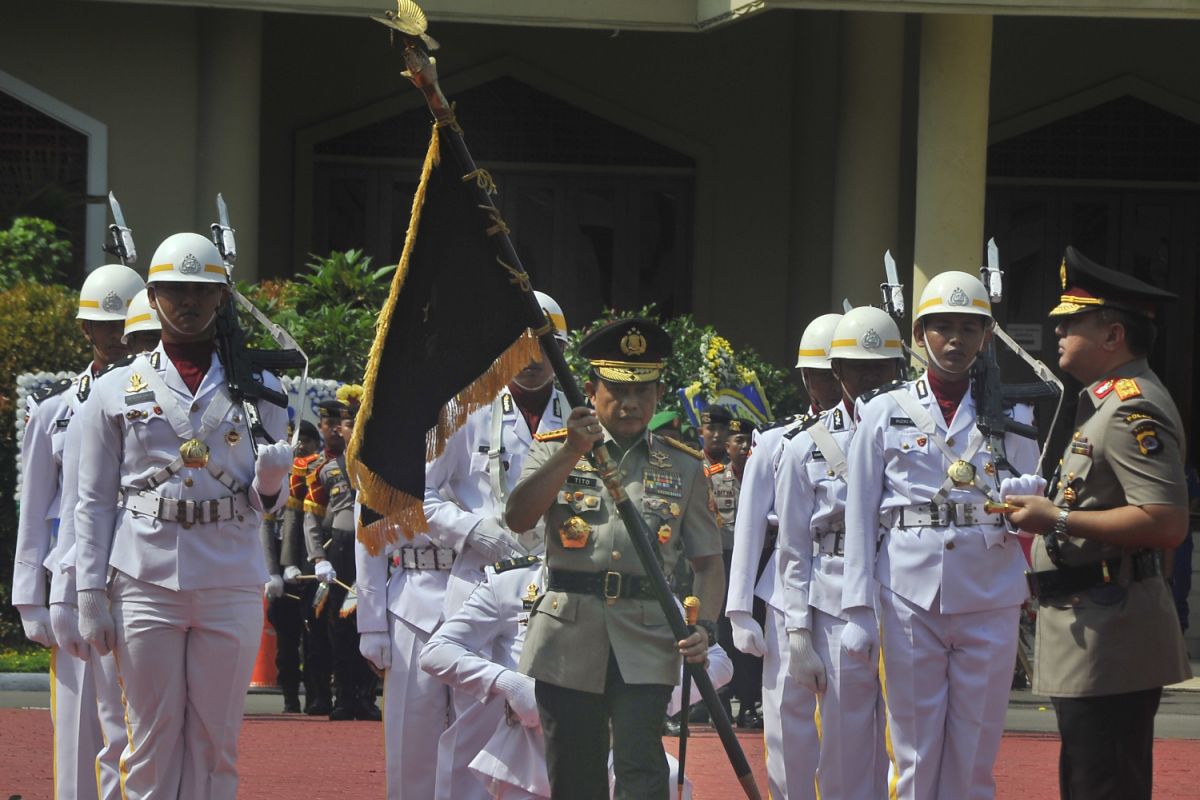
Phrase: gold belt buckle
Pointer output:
(615, 594)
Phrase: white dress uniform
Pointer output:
(811, 497)
(178, 549)
(468, 482)
(789, 732)
(408, 607)
(470, 651)
(101, 691)
(77, 736)
(952, 587)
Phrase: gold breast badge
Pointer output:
(136, 384)
(574, 533)
(194, 453)
(962, 473)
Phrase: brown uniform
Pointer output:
(1121, 636)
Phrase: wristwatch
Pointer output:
(1060, 524)
(710, 628)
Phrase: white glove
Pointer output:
(518, 691)
(860, 637)
(274, 464)
(804, 665)
(325, 571)
(291, 574)
(1026, 484)
(376, 647)
(35, 620)
(96, 624)
(64, 620)
(492, 541)
(747, 634)
(274, 587)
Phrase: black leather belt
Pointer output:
(612, 586)
(1068, 580)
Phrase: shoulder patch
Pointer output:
(713, 469)
(1145, 433)
(867, 397)
(1134, 417)
(46, 392)
(515, 563)
(1127, 388)
(551, 436)
(678, 445)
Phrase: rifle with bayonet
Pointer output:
(993, 398)
(122, 237)
(244, 365)
(892, 291)
(407, 26)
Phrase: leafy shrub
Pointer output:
(330, 309)
(32, 250)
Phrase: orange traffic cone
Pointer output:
(265, 674)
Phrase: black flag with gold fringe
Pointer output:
(452, 333)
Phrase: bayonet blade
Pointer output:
(993, 274)
(223, 234)
(122, 245)
(893, 279)
(846, 306)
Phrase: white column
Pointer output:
(866, 185)
(956, 59)
(230, 84)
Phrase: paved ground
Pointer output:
(291, 757)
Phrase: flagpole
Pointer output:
(423, 74)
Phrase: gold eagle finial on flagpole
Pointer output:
(408, 19)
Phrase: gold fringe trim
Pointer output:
(403, 514)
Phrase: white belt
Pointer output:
(942, 515)
(185, 512)
(426, 558)
(829, 541)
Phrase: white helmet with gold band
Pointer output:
(954, 293)
(187, 257)
(107, 292)
(866, 333)
(815, 341)
(141, 316)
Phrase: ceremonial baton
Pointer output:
(691, 608)
(408, 24)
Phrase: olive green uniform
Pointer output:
(1122, 636)
(570, 634)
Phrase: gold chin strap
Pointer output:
(626, 372)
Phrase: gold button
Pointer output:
(1075, 600)
(949, 545)
(195, 406)
(554, 604)
(829, 472)
(188, 482)
(950, 441)
(904, 446)
(616, 555)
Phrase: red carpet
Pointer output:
(288, 757)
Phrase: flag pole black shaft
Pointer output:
(423, 74)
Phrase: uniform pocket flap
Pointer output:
(560, 605)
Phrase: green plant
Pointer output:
(38, 332)
(32, 250)
(25, 658)
(685, 365)
(330, 309)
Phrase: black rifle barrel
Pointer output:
(423, 74)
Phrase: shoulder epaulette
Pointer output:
(781, 422)
(801, 424)
(551, 436)
(48, 391)
(514, 563)
(867, 397)
(678, 445)
(124, 362)
(713, 469)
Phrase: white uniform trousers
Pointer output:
(77, 737)
(789, 729)
(111, 711)
(945, 680)
(185, 660)
(474, 723)
(416, 711)
(854, 761)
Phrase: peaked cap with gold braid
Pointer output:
(627, 350)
